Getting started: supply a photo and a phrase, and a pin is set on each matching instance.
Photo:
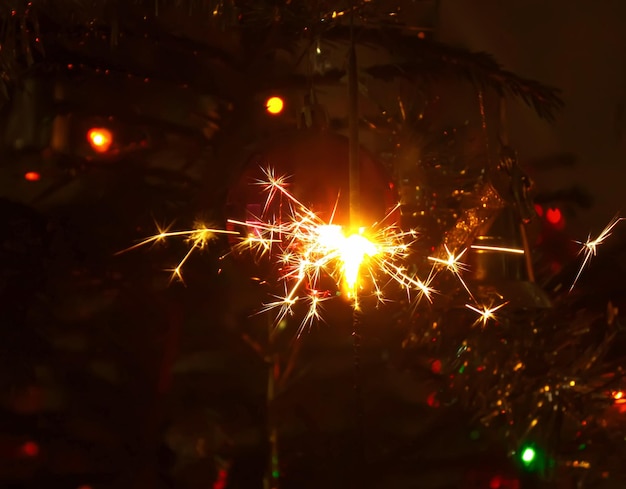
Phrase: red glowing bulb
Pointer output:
(100, 139)
(32, 176)
(495, 482)
(435, 366)
(432, 400)
(30, 449)
(554, 216)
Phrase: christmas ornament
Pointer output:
(500, 257)
(498, 266)
(318, 177)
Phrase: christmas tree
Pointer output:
(246, 147)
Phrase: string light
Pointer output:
(274, 105)
(554, 216)
(100, 139)
(528, 455)
(618, 397)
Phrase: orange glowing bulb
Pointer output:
(274, 105)
(32, 176)
(618, 395)
(100, 139)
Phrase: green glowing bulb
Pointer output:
(528, 455)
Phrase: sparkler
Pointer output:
(453, 264)
(485, 313)
(590, 247)
(309, 250)
(199, 238)
(317, 260)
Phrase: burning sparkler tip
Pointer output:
(485, 313)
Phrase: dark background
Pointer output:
(579, 47)
(124, 379)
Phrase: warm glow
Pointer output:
(619, 397)
(32, 176)
(100, 139)
(308, 249)
(351, 251)
(274, 105)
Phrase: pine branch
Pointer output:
(430, 61)
(418, 58)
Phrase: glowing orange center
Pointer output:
(100, 139)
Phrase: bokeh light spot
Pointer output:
(274, 105)
(554, 216)
(100, 139)
(30, 449)
(435, 366)
(528, 455)
(495, 482)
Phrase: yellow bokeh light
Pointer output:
(274, 105)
